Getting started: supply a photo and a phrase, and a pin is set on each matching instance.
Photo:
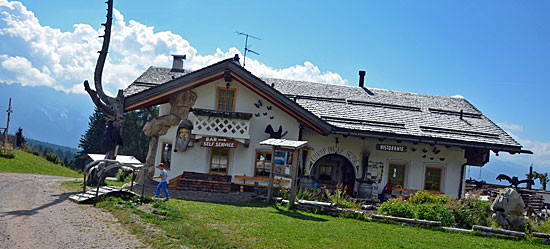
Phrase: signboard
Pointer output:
(218, 142)
(282, 163)
(394, 148)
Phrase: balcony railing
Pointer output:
(221, 124)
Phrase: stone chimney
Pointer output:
(362, 78)
(177, 65)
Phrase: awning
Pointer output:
(283, 143)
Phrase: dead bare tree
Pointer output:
(113, 107)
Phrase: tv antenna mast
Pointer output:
(246, 49)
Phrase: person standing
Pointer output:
(163, 182)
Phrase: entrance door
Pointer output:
(348, 179)
(333, 170)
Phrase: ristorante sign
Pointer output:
(218, 142)
(394, 148)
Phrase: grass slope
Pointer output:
(259, 225)
(28, 163)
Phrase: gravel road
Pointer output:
(36, 213)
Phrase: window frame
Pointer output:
(440, 177)
(256, 162)
(166, 165)
(227, 164)
(218, 98)
(404, 173)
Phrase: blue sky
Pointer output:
(494, 53)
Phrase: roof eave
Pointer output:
(158, 94)
(429, 140)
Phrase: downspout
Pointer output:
(302, 156)
(461, 180)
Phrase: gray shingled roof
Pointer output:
(153, 76)
(380, 110)
(350, 108)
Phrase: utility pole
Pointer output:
(9, 111)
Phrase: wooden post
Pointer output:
(7, 126)
(293, 173)
(133, 178)
(270, 183)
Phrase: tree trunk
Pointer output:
(180, 104)
(146, 176)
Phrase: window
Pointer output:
(219, 160)
(433, 179)
(166, 154)
(225, 100)
(325, 172)
(263, 164)
(396, 175)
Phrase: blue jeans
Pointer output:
(162, 185)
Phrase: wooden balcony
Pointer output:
(221, 124)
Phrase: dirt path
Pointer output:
(35, 213)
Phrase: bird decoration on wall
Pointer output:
(432, 158)
(265, 113)
(424, 156)
(441, 159)
(271, 117)
(257, 114)
(269, 108)
(413, 149)
(424, 150)
(514, 181)
(259, 104)
(436, 151)
(275, 134)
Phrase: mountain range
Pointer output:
(60, 119)
(46, 114)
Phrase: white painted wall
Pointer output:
(415, 165)
(197, 159)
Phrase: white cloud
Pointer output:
(511, 127)
(458, 96)
(541, 149)
(46, 56)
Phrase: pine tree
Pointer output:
(19, 139)
(90, 141)
(134, 140)
(136, 143)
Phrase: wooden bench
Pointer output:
(204, 182)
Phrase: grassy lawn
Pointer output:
(28, 163)
(259, 225)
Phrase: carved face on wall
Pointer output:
(184, 133)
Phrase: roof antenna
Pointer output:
(246, 45)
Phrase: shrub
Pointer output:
(422, 197)
(394, 207)
(52, 157)
(435, 212)
(470, 211)
(6, 154)
(341, 198)
(542, 227)
(122, 174)
(282, 192)
(305, 194)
